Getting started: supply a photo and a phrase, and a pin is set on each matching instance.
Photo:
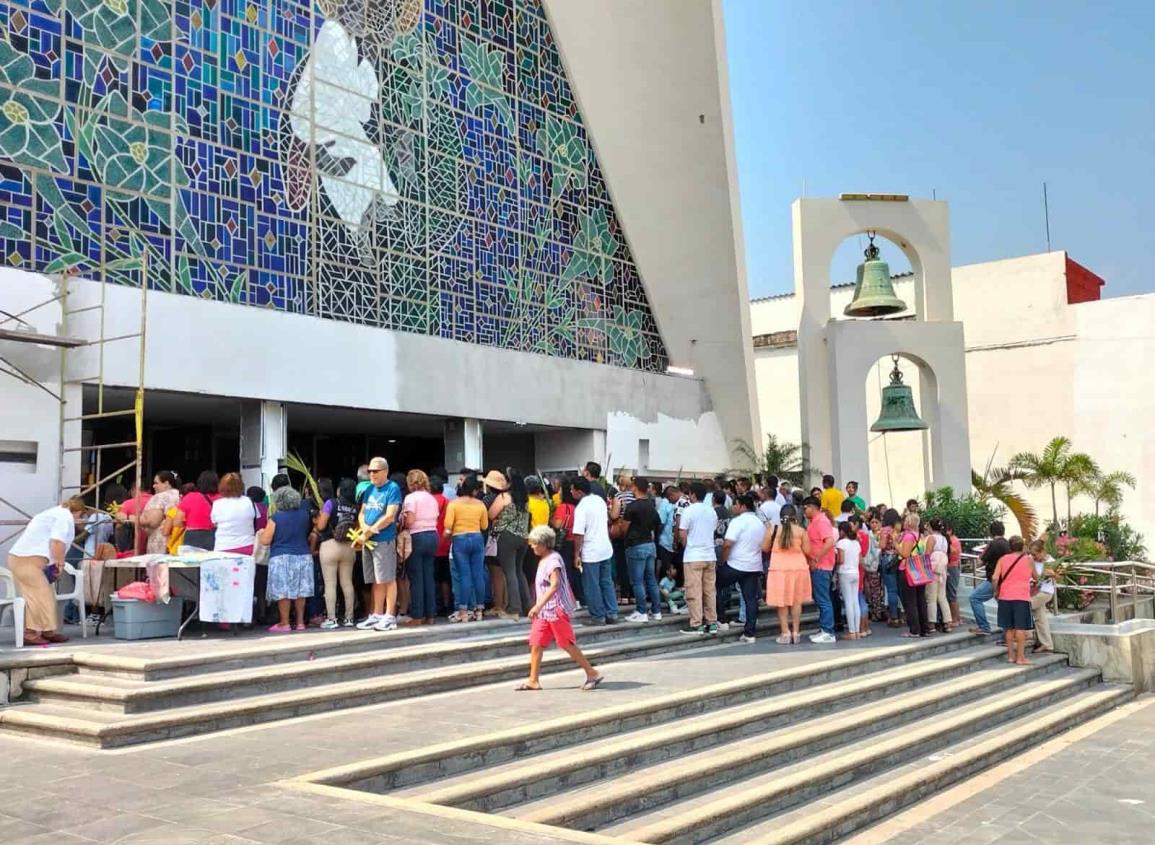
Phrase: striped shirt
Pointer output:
(562, 601)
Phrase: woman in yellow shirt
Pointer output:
(466, 520)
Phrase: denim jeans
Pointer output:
(983, 593)
(640, 560)
(820, 586)
(890, 580)
(598, 585)
(469, 570)
(722, 599)
(422, 590)
(748, 584)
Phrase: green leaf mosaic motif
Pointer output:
(415, 165)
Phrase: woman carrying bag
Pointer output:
(1012, 586)
(913, 575)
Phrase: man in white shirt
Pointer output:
(594, 554)
(696, 530)
(769, 512)
(742, 564)
(784, 494)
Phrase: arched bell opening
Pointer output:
(872, 277)
(901, 406)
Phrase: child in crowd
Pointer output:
(847, 509)
(671, 595)
(550, 614)
(848, 554)
(863, 537)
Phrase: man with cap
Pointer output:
(378, 522)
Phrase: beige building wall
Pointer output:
(1037, 367)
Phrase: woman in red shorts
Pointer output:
(551, 612)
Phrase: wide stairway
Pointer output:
(117, 697)
(807, 754)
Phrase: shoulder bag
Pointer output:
(1010, 569)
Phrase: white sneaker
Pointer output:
(723, 626)
(347, 622)
(655, 617)
(682, 611)
(330, 625)
(387, 623)
(822, 637)
(746, 640)
(638, 617)
(369, 621)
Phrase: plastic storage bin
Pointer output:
(138, 620)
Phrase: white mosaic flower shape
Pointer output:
(331, 105)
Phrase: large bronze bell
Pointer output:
(898, 413)
(873, 292)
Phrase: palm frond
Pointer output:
(294, 462)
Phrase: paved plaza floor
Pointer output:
(1095, 786)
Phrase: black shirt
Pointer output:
(644, 521)
(996, 548)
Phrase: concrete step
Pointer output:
(130, 694)
(544, 776)
(154, 661)
(87, 724)
(450, 759)
(844, 811)
(679, 777)
(713, 814)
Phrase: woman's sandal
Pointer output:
(784, 639)
(526, 688)
(592, 683)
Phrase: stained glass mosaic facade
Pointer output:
(419, 166)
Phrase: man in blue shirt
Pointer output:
(381, 505)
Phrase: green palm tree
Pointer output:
(1044, 469)
(780, 457)
(1078, 470)
(995, 483)
(1106, 489)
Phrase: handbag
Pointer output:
(918, 570)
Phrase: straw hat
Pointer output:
(496, 481)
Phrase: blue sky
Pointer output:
(980, 101)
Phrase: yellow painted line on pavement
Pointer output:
(887, 830)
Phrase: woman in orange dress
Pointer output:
(788, 582)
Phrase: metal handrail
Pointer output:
(1125, 577)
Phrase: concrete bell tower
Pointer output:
(834, 356)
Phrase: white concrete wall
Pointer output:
(198, 346)
(650, 78)
(27, 412)
(691, 446)
(1076, 370)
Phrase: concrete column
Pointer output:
(463, 444)
(264, 440)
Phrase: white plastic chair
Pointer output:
(9, 598)
(77, 594)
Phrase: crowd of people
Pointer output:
(380, 550)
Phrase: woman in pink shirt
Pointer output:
(419, 513)
(1012, 586)
(195, 513)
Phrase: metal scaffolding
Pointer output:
(72, 410)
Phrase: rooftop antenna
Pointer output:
(1047, 216)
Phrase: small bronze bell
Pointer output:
(898, 413)
(873, 292)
